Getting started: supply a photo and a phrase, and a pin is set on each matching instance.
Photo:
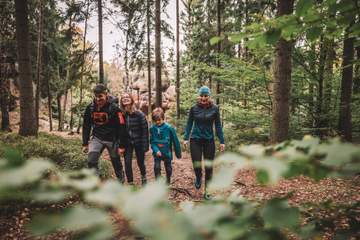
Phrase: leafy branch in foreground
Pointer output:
(152, 215)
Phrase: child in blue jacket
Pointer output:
(163, 141)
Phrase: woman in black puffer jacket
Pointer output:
(138, 135)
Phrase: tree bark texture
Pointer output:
(148, 54)
(101, 63)
(158, 53)
(177, 62)
(346, 89)
(282, 81)
(27, 106)
(39, 63)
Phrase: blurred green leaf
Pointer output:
(313, 33)
(82, 180)
(262, 176)
(303, 6)
(222, 178)
(305, 143)
(205, 217)
(338, 154)
(274, 167)
(99, 232)
(29, 172)
(144, 200)
(77, 218)
(236, 37)
(13, 157)
(109, 194)
(216, 39)
(50, 195)
(232, 158)
(272, 35)
(277, 213)
(253, 150)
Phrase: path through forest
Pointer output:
(302, 189)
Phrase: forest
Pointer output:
(283, 77)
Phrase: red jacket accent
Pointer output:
(121, 118)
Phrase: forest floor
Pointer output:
(303, 191)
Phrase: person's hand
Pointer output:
(121, 151)
(85, 149)
(158, 154)
(186, 144)
(222, 147)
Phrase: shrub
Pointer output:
(66, 153)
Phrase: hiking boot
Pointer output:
(121, 180)
(143, 180)
(197, 183)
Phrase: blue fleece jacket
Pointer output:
(200, 123)
(163, 138)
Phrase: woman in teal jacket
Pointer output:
(199, 129)
(163, 140)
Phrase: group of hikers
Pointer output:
(116, 124)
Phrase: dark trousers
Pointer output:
(168, 168)
(198, 149)
(96, 147)
(140, 157)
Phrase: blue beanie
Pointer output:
(204, 90)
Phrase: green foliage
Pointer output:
(303, 6)
(224, 218)
(66, 153)
(76, 218)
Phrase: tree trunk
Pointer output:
(177, 63)
(7, 67)
(49, 104)
(357, 72)
(82, 66)
(148, 54)
(218, 30)
(239, 25)
(27, 107)
(282, 81)
(71, 123)
(126, 59)
(158, 53)
(64, 109)
(101, 64)
(67, 77)
(39, 63)
(346, 89)
(328, 79)
(58, 101)
(247, 20)
(4, 96)
(209, 4)
(319, 102)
